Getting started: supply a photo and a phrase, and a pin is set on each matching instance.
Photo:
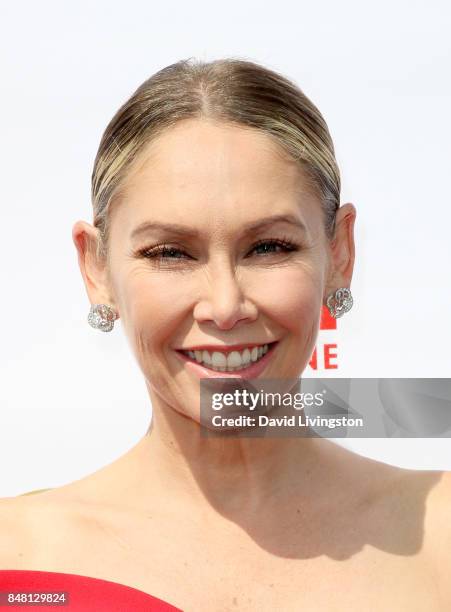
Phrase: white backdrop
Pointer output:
(72, 398)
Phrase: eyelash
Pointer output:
(160, 250)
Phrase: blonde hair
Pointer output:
(230, 90)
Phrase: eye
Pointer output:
(264, 247)
(162, 251)
(269, 246)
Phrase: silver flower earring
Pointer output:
(102, 316)
(339, 302)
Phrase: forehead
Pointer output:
(202, 171)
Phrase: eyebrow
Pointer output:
(185, 230)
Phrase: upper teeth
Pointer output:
(235, 360)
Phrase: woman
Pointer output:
(218, 236)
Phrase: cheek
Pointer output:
(292, 297)
(155, 306)
(149, 305)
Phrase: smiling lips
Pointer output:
(228, 359)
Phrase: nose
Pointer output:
(224, 301)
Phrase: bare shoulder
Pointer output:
(439, 505)
(437, 533)
(15, 533)
(437, 513)
(419, 501)
(31, 528)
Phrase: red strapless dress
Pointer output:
(30, 589)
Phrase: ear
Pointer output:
(93, 266)
(342, 250)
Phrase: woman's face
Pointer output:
(220, 279)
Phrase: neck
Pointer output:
(234, 476)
